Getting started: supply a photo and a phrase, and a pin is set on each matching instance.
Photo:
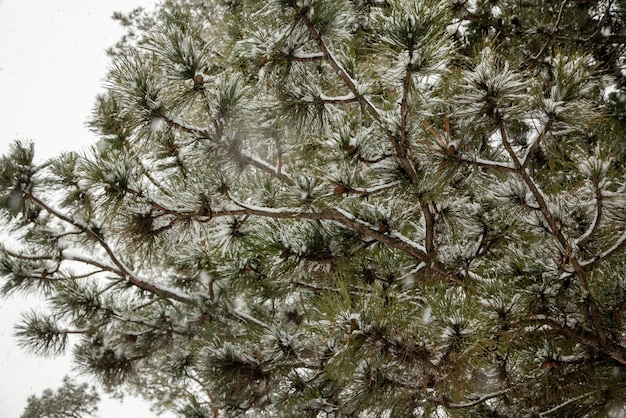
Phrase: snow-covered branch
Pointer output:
(481, 399)
(264, 166)
(123, 270)
(595, 223)
(618, 246)
(347, 98)
(477, 161)
(564, 404)
(307, 57)
(197, 132)
(535, 143)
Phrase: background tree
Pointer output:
(348, 208)
(69, 401)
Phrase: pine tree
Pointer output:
(68, 401)
(342, 208)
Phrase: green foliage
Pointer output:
(341, 208)
(69, 401)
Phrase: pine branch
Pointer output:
(564, 404)
(244, 317)
(620, 244)
(368, 191)
(350, 83)
(338, 100)
(597, 203)
(276, 172)
(556, 231)
(480, 400)
(399, 144)
(606, 347)
(391, 238)
(476, 161)
(151, 179)
(198, 133)
(64, 255)
(123, 270)
(534, 188)
(217, 125)
(303, 57)
(535, 144)
(552, 33)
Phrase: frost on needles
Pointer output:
(341, 208)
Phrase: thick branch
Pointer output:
(338, 69)
(391, 238)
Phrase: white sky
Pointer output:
(52, 64)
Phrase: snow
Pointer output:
(481, 161)
(62, 243)
(427, 315)
(266, 210)
(621, 241)
(157, 125)
(205, 278)
(312, 55)
(396, 234)
(346, 97)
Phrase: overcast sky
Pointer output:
(52, 64)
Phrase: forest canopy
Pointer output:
(341, 208)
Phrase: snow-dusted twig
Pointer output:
(399, 146)
(242, 316)
(552, 32)
(268, 168)
(535, 144)
(217, 125)
(307, 57)
(337, 100)
(564, 404)
(480, 400)
(619, 245)
(200, 133)
(330, 59)
(476, 161)
(597, 203)
(555, 229)
(367, 191)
